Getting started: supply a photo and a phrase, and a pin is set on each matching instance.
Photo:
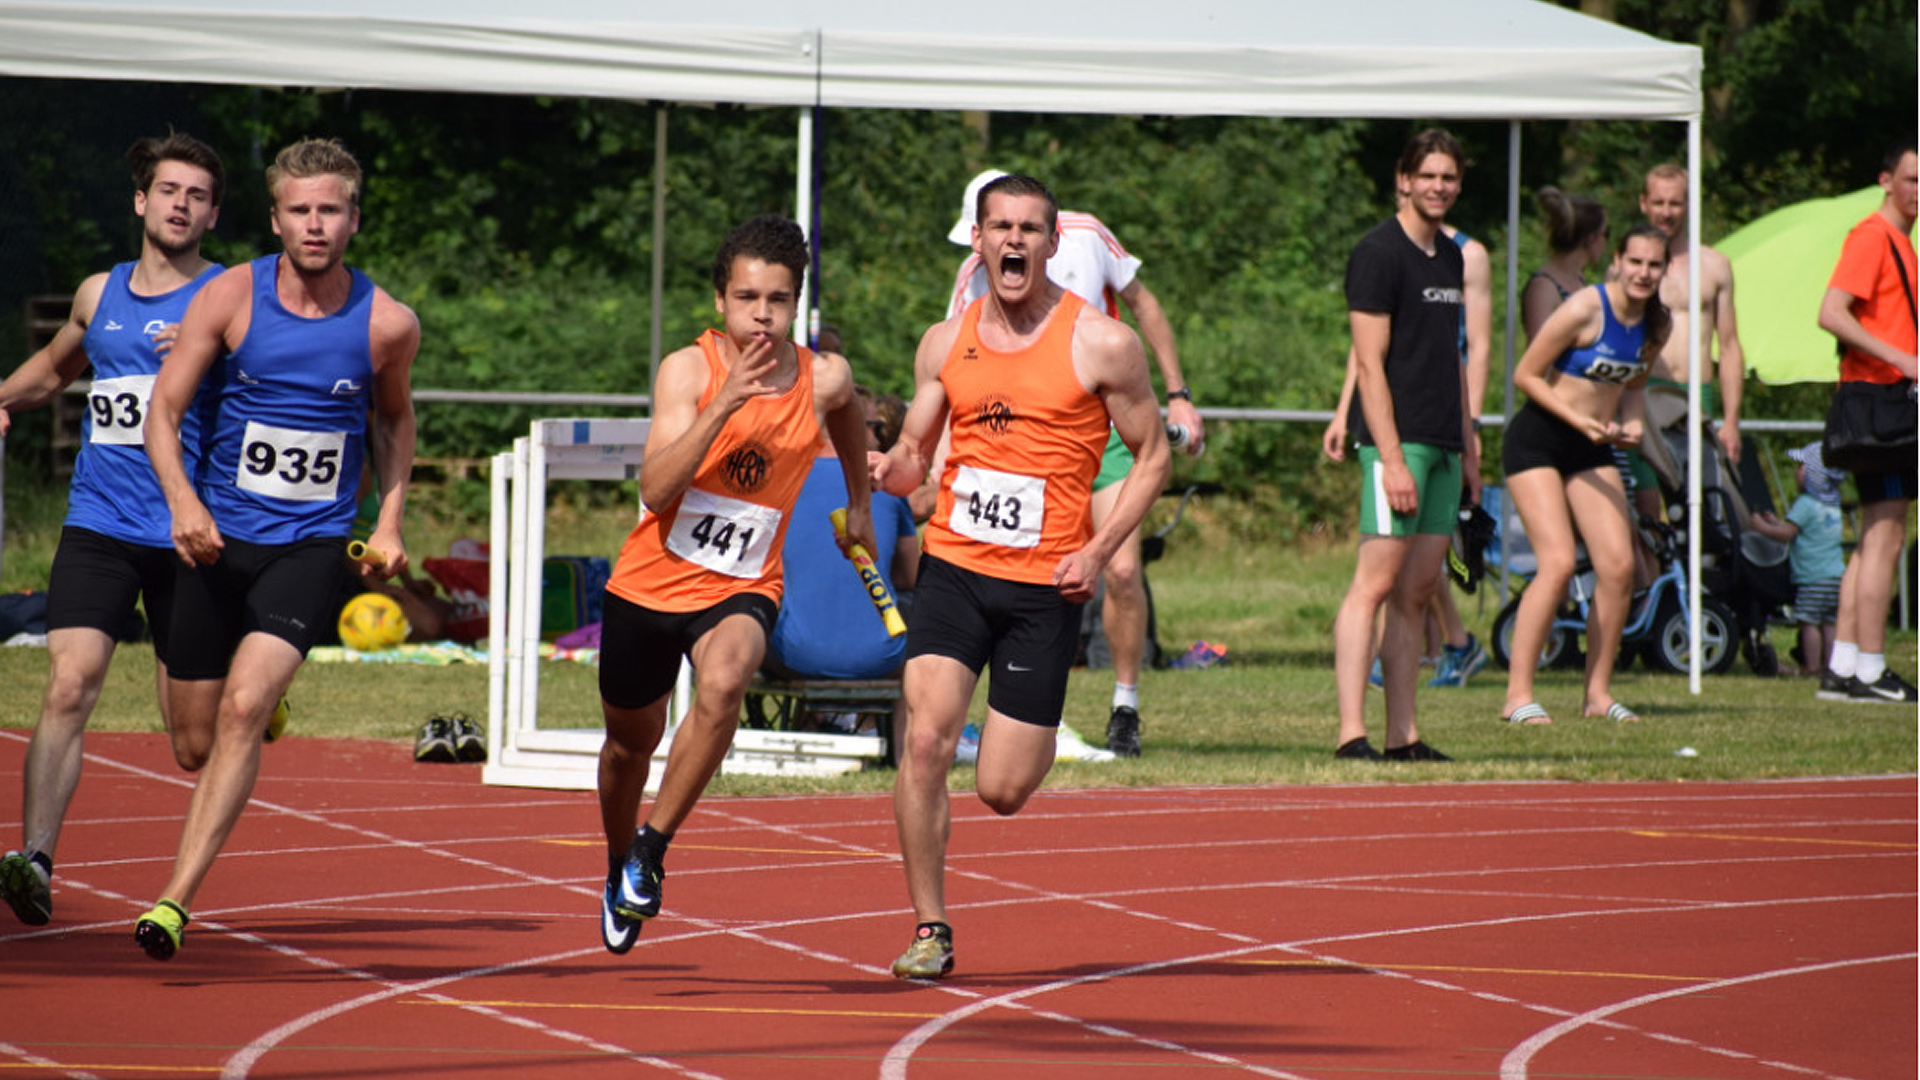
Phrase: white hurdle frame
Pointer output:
(520, 753)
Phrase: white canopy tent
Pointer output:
(1476, 59)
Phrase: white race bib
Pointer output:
(119, 410)
(998, 508)
(281, 463)
(724, 535)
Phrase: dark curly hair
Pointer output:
(769, 238)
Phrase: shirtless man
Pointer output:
(1664, 204)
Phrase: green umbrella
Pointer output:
(1781, 264)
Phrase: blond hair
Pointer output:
(315, 157)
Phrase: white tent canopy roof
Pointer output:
(1493, 59)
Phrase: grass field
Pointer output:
(1265, 716)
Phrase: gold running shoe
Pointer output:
(930, 956)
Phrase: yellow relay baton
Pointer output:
(360, 552)
(877, 590)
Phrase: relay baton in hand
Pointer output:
(877, 590)
(360, 552)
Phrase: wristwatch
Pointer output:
(1185, 393)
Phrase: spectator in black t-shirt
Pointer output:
(1404, 286)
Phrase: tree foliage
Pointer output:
(521, 228)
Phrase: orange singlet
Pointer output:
(723, 536)
(1026, 442)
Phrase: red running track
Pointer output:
(373, 918)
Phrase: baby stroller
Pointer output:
(1743, 569)
(1658, 625)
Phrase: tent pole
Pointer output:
(803, 328)
(1513, 291)
(1694, 419)
(658, 298)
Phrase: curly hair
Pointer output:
(770, 238)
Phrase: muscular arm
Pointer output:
(58, 363)
(216, 321)
(1110, 361)
(1154, 326)
(1733, 361)
(391, 434)
(1333, 441)
(1837, 318)
(905, 467)
(846, 426)
(1477, 295)
(1372, 331)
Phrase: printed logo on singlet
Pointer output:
(153, 327)
(114, 324)
(748, 468)
(995, 415)
(971, 354)
(1435, 294)
(246, 378)
(345, 388)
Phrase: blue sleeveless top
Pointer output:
(289, 426)
(1614, 357)
(114, 490)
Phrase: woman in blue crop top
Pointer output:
(1582, 375)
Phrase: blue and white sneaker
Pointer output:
(1457, 665)
(617, 932)
(1377, 677)
(639, 893)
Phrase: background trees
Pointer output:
(520, 228)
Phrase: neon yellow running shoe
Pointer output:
(27, 888)
(277, 723)
(930, 956)
(160, 930)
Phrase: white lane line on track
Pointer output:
(1514, 1065)
(977, 1006)
(33, 1060)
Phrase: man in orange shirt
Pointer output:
(1869, 306)
(1030, 377)
(736, 419)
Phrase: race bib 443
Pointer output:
(997, 507)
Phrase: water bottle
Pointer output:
(1179, 438)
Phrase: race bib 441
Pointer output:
(727, 536)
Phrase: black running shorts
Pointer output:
(640, 648)
(96, 579)
(1537, 439)
(290, 591)
(1028, 633)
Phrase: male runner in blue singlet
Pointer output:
(114, 549)
(305, 348)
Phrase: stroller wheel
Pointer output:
(1561, 649)
(1669, 650)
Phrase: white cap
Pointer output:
(962, 231)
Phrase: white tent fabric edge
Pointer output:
(1486, 59)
